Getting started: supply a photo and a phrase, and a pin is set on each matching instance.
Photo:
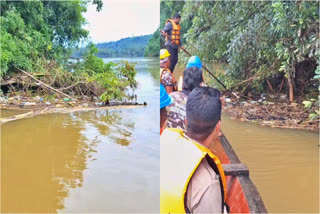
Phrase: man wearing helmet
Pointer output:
(166, 77)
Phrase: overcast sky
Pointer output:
(122, 18)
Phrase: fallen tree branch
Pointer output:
(71, 86)
(43, 84)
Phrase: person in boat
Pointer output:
(192, 179)
(194, 61)
(165, 100)
(172, 29)
(166, 77)
(192, 78)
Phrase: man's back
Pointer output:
(204, 191)
(185, 173)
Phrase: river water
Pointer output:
(108, 161)
(95, 162)
(283, 164)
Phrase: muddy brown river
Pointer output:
(108, 160)
(94, 162)
(283, 164)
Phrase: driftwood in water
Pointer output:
(66, 110)
(16, 117)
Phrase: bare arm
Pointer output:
(169, 89)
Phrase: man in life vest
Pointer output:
(165, 100)
(172, 29)
(192, 179)
(192, 78)
(166, 77)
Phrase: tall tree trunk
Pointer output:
(291, 89)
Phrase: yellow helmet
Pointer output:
(164, 53)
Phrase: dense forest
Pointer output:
(265, 46)
(39, 36)
(127, 47)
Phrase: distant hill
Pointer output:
(127, 47)
(153, 47)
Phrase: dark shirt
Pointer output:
(168, 29)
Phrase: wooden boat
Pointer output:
(242, 195)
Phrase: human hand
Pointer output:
(164, 34)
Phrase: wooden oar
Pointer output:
(205, 68)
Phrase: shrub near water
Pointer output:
(113, 78)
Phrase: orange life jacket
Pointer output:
(175, 32)
(175, 87)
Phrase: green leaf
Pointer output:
(307, 104)
(312, 116)
(300, 21)
(317, 76)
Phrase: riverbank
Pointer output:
(276, 114)
(272, 110)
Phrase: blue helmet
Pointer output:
(194, 61)
(165, 99)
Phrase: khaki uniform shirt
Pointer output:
(204, 191)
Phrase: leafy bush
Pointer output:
(115, 79)
(314, 102)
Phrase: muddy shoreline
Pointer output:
(271, 114)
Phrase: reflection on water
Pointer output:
(96, 161)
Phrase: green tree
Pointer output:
(153, 46)
(114, 79)
(34, 29)
(258, 40)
